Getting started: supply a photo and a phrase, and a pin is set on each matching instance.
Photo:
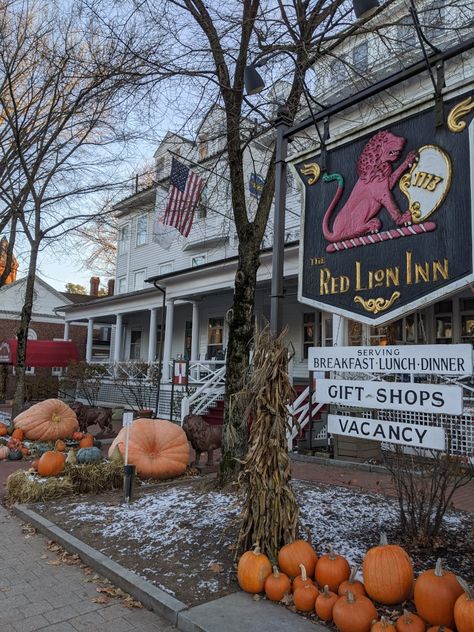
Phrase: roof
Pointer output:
(40, 353)
(74, 297)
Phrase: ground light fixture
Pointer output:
(364, 8)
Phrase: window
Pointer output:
(57, 371)
(198, 260)
(135, 344)
(188, 337)
(124, 237)
(139, 279)
(444, 322)
(309, 332)
(360, 57)
(142, 229)
(406, 34)
(338, 72)
(166, 268)
(122, 285)
(29, 370)
(201, 212)
(215, 337)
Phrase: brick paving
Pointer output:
(37, 595)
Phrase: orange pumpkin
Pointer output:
(292, 555)
(439, 628)
(3, 430)
(47, 421)
(158, 448)
(51, 464)
(384, 625)
(410, 622)
(436, 591)
(354, 585)
(87, 441)
(332, 569)
(24, 451)
(60, 446)
(302, 579)
(277, 585)
(464, 609)
(325, 602)
(388, 573)
(252, 571)
(77, 436)
(353, 613)
(18, 434)
(34, 464)
(304, 597)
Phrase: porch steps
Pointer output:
(215, 415)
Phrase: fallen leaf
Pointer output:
(216, 568)
(131, 603)
(102, 599)
(54, 562)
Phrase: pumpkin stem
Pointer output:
(407, 618)
(304, 576)
(467, 589)
(439, 568)
(350, 597)
(331, 554)
(384, 622)
(383, 539)
(275, 572)
(256, 549)
(354, 570)
(326, 591)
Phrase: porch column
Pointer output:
(118, 337)
(339, 331)
(168, 339)
(90, 334)
(152, 335)
(66, 330)
(195, 333)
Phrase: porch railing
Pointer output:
(206, 395)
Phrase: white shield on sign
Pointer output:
(427, 183)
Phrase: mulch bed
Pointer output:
(180, 535)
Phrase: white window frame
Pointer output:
(119, 282)
(56, 371)
(193, 259)
(135, 273)
(166, 264)
(124, 244)
(140, 234)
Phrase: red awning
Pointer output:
(41, 353)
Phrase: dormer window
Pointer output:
(203, 146)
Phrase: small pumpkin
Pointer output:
(354, 585)
(304, 597)
(4, 452)
(384, 625)
(332, 569)
(464, 609)
(25, 451)
(34, 464)
(388, 573)
(77, 436)
(252, 570)
(436, 592)
(325, 602)
(18, 434)
(87, 441)
(15, 455)
(277, 585)
(353, 613)
(302, 579)
(41, 448)
(410, 622)
(60, 446)
(3, 430)
(292, 555)
(439, 628)
(89, 455)
(51, 464)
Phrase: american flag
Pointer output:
(184, 194)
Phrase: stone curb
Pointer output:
(350, 465)
(150, 596)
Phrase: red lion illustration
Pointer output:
(372, 191)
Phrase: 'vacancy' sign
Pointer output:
(428, 398)
(413, 435)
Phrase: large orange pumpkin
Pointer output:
(252, 571)
(436, 591)
(47, 421)
(409, 622)
(464, 609)
(325, 602)
(277, 585)
(292, 555)
(158, 448)
(353, 613)
(332, 569)
(388, 573)
(51, 464)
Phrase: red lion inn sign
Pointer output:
(388, 228)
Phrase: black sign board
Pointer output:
(388, 227)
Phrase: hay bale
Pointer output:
(93, 478)
(28, 487)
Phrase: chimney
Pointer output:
(110, 287)
(94, 291)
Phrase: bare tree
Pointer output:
(64, 86)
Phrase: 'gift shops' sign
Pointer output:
(388, 227)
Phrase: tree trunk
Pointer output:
(22, 332)
(241, 332)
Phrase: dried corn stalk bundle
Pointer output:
(269, 513)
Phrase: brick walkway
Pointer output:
(38, 593)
